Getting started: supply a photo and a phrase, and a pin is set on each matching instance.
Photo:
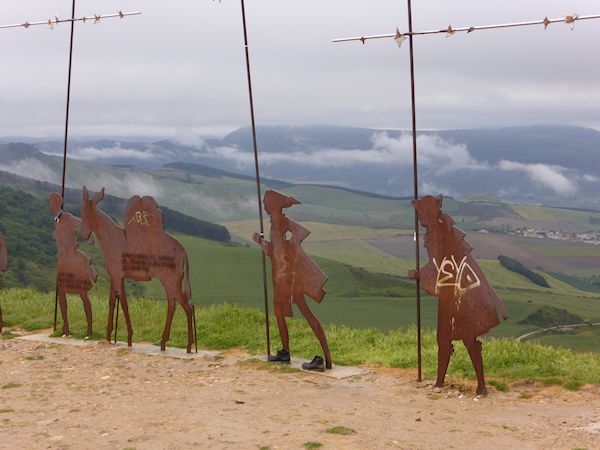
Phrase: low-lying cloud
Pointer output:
(185, 136)
(125, 186)
(544, 175)
(32, 168)
(433, 152)
(219, 207)
(116, 152)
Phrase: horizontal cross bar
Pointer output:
(51, 22)
(449, 31)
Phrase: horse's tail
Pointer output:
(187, 288)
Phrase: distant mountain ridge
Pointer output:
(553, 165)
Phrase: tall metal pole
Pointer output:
(416, 186)
(64, 168)
(258, 189)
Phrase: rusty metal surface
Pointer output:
(294, 272)
(140, 251)
(74, 273)
(468, 306)
(3, 266)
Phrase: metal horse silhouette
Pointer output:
(140, 251)
(3, 267)
(74, 273)
(294, 274)
(467, 302)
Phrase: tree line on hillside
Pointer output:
(175, 222)
(515, 266)
(26, 221)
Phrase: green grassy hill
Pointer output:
(342, 222)
(232, 274)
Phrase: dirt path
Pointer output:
(557, 327)
(103, 397)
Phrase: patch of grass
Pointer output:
(6, 410)
(573, 385)
(525, 395)
(226, 326)
(312, 444)
(550, 316)
(499, 385)
(340, 430)
(11, 385)
(552, 381)
(9, 335)
(34, 357)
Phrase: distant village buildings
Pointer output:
(586, 237)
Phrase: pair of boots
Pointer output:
(283, 356)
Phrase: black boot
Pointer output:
(316, 365)
(282, 355)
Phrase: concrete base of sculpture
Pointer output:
(337, 372)
(146, 349)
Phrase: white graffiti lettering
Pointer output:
(459, 276)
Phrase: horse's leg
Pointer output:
(167, 331)
(316, 327)
(88, 312)
(111, 310)
(62, 301)
(125, 308)
(187, 307)
(474, 348)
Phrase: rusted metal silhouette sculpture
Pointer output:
(294, 274)
(3, 267)
(468, 304)
(74, 273)
(140, 251)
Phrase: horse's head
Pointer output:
(89, 212)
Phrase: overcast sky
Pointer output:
(181, 65)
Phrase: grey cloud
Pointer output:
(548, 176)
(126, 186)
(94, 154)
(181, 64)
(434, 152)
(223, 209)
(185, 136)
(32, 168)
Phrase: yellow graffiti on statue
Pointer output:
(142, 218)
(451, 274)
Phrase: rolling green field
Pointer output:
(579, 339)
(341, 222)
(232, 274)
